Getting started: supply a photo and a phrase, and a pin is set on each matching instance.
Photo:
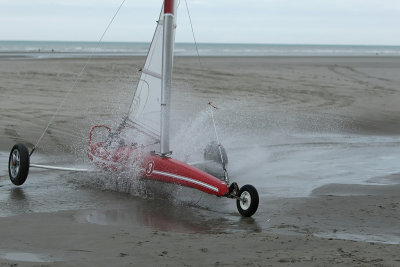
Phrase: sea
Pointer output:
(45, 49)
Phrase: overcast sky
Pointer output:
(371, 22)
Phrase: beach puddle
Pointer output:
(156, 220)
(384, 239)
(26, 257)
(182, 220)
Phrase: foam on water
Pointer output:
(54, 49)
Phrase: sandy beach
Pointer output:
(318, 136)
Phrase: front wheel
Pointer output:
(247, 203)
(18, 164)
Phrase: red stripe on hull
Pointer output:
(177, 172)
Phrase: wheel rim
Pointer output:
(15, 163)
(245, 200)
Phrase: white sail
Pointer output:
(145, 110)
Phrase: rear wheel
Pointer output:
(18, 164)
(247, 203)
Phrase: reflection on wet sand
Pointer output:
(17, 194)
(166, 216)
(18, 200)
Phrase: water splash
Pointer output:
(192, 137)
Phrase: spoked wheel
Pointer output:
(18, 164)
(247, 203)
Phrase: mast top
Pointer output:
(169, 7)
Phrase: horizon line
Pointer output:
(214, 43)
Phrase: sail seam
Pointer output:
(145, 129)
(151, 73)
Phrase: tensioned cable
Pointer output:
(226, 177)
(194, 37)
(77, 78)
(210, 104)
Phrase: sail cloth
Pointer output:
(145, 110)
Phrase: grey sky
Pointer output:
(230, 21)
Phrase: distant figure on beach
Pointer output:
(39, 50)
(52, 50)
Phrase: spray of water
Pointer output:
(192, 137)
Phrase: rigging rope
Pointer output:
(219, 143)
(77, 79)
(194, 37)
(209, 103)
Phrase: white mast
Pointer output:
(166, 74)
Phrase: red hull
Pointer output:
(174, 171)
(155, 167)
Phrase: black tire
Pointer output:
(18, 164)
(248, 192)
(211, 152)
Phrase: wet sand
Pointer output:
(320, 138)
